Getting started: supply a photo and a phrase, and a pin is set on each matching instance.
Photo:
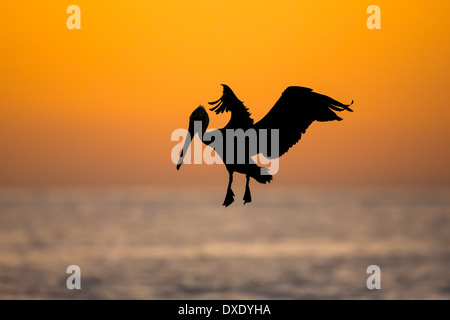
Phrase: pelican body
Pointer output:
(292, 114)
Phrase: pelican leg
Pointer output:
(247, 194)
(229, 198)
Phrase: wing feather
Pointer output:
(294, 112)
(230, 103)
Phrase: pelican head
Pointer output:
(198, 122)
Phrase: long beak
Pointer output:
(189, 136)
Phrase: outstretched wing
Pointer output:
(230, 103)
(294, 112)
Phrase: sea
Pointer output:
(181, 243)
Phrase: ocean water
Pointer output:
(162, 243)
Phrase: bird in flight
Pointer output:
(292, 114)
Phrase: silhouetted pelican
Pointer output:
(292, 114)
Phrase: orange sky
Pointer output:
(98, 105)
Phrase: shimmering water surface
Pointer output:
(162, 243)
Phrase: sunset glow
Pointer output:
(98, 105)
